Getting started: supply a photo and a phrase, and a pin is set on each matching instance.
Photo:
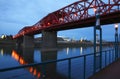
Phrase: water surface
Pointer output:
(77, 69)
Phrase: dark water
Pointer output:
(76, 69)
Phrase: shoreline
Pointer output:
(12, 43)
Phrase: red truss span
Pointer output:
(77, 15)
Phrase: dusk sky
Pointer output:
(16, 14)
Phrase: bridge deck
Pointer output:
(110, 72)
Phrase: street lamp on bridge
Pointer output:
(116, 40)
(97, 27)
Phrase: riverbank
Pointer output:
(76, 44)
(12, 43)
(7, 42)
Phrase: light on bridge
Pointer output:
(95, 10)
(75, 14)
(116, 40)
(48, 23)
(61, 19)
(116, 25)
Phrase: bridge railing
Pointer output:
(83, 66)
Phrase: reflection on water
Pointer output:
(1, 52)
(10, 57)
(22, 61)
(81, 50)
(67, 50)
(97, 48)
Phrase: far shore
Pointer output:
(12, 43)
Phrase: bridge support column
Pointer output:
(28, 41)
(19, 42)
(49, 40)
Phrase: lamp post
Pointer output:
(97, 27)
(116, 40)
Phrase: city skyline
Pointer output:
(15, 15)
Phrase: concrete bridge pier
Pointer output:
(28, 41)
(19, 42)
(49, 40)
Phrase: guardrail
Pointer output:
(97, 60)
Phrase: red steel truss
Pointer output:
(80, 10)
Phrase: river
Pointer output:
(12, 57)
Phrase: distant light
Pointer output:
(81, 39)
(3, 36)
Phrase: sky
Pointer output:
(16, 14)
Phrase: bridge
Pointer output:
(81, 14)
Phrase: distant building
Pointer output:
(3, 36)
(66, 38)
(60, 39)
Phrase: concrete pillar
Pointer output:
(19, 42)
(28, 41)
(49, 40)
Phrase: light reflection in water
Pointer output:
(97, 48)
(32, 70)
(2, 52)
(67, 50)
(54, 69)
(81, 50)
